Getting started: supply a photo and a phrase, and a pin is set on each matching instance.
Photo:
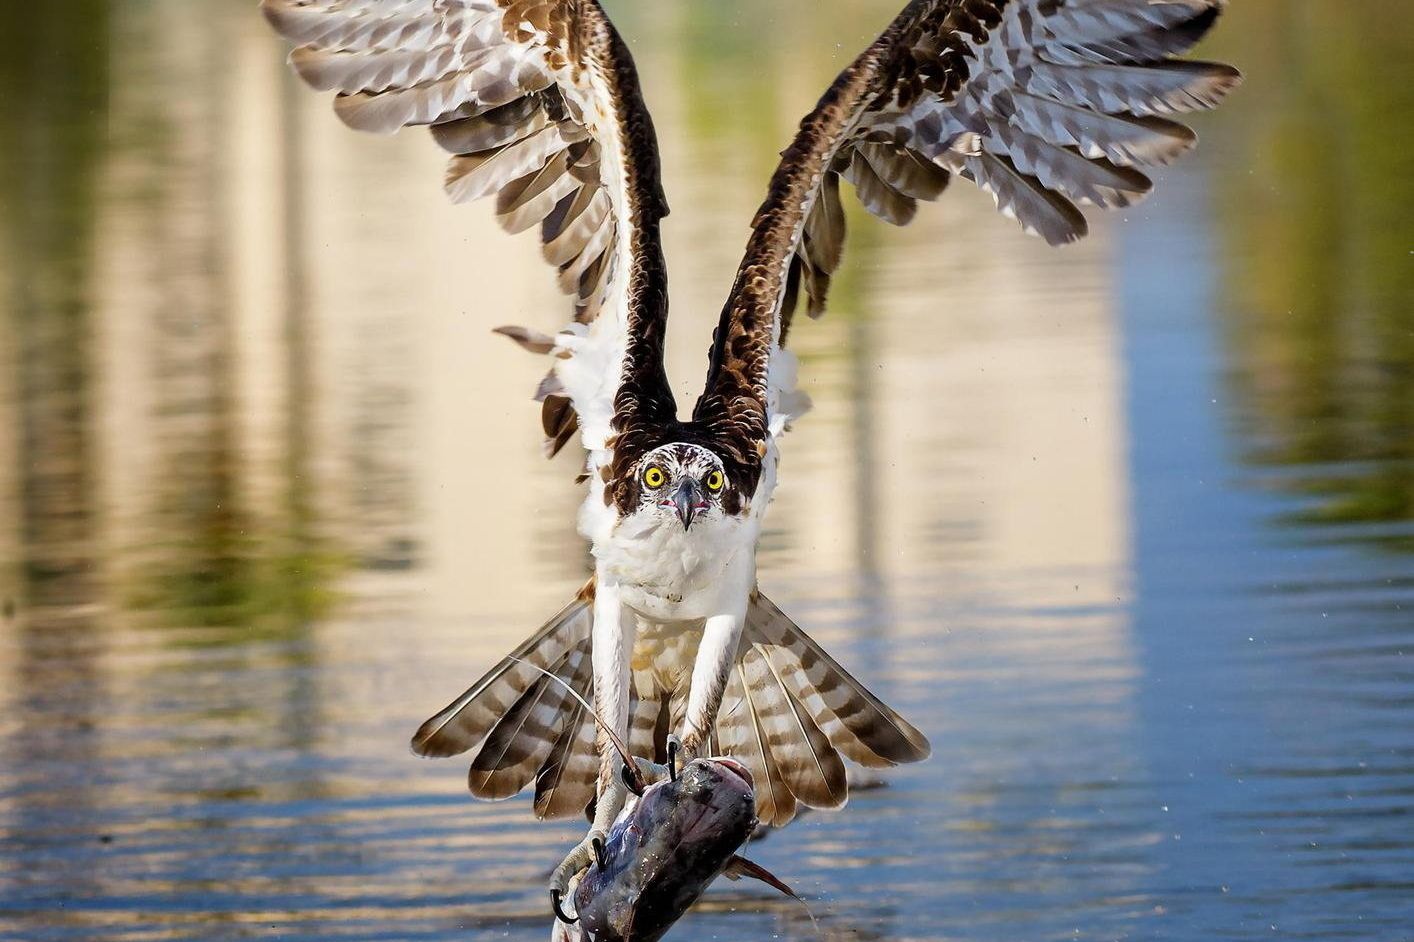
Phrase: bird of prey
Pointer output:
(1045, 104)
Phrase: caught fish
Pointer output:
(663, 852)
(671, 841)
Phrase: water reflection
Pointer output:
(270, 494)
(1321, 325)
(51, 563)
(49, 198)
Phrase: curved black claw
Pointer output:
(631, 781)
(559, 912)
(673, 760)
(598, 846)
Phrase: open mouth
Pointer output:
(737, 769)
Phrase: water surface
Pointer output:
(1127, 529)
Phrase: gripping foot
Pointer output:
(555, 900)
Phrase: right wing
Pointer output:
(1045, 104)
(539, 103)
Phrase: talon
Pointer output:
(673, 747)
(599, 857)
(555, 898)
(630, 778)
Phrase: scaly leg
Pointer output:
(612, 640)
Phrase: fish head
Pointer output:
(665, 851)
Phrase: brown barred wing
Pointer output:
(1048, 105)
(538, 102)
(792, 714)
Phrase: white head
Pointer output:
(680, 482)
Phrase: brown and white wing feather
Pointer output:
(538, 103)
(565, 784)
(1045, 104)
(792, 714)
(854, 721)
(488, 704)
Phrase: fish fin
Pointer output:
(739, 867)
(855, 721)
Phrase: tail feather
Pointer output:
(789, 712)
(801, 754)
(513, 752)
(565, 783)
(855, 721)
(743, 736)
(469, 719)
(648, 721)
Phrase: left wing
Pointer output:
(1045, 104)
(538, 102)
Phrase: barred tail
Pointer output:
(791, 711)
(524, 725)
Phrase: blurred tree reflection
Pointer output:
(53, 112)
(83, 152)
(1317, 206)
(54, 80)
(214, 555)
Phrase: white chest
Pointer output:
(666, 573)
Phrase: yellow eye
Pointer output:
(654, 476)
(715, 481)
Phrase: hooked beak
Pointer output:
(685, 500)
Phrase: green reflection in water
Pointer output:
(53, 109)
(203, 556)
(218, 576)
(218, 556)
(1316, 209)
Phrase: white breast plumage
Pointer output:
(668, 574)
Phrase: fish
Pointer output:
(664, 852)
(673, 839)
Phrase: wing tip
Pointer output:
(364, 111)
(489, 785)
(277, 14)
(428, 743)
(923, 749)
(1225, 77)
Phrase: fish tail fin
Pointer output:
(791, 711)
(524, 724)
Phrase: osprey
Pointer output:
(1045, 104)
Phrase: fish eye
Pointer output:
(653, 476)
(715, 481)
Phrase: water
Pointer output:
(1126, 529)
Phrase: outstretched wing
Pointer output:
(1045, 104)
(539, 104)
